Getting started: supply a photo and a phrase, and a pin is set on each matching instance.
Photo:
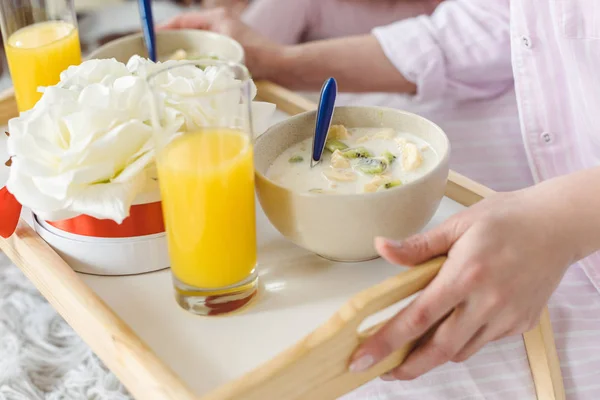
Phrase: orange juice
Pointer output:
(207, 188)
(37, 54)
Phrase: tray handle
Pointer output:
(317, 367)
(378, 298)
(393, 290)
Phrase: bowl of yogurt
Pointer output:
(188, 44)
(383, 173)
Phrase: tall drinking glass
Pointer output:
(206, 179)
(41, 40)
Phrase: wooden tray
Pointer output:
(100, 310)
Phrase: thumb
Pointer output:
(419, 248)
(192, 20)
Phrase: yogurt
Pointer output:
(356, 160)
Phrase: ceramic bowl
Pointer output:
(170, 41)
(342, 227)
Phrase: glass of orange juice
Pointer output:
(206, 179)
(41, 40)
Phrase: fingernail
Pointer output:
(362, 363)
(388, 242)
(393, 244)
(387, 377)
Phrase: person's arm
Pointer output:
(462, 50)
(506, 255)
(358, 64)
(572, 209)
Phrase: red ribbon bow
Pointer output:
(10, 211)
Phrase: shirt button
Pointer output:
(526, 41)
(546, 137)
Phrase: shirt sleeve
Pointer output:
(283, 21)
(462, 50)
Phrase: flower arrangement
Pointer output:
(87, 147)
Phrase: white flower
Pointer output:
(106, 71)
(82, 152)
(143, 67)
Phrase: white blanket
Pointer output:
(40, 355)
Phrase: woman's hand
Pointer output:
(260, 53)
(506, 255)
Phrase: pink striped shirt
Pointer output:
(294, 21)
(469, 54)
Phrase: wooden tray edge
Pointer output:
(124, 353)
(8, 106)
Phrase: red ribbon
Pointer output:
(10, 211)
(144, 219)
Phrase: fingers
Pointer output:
(193, 20)
(442, 295)
(419, 248)
(483, 336)
(490, 333)
(434, 302)
(507, 323)
(444, 344)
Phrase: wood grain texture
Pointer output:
(543, 360)
(144, 375)
(286, 100)
(8, 106)
(465, 191)
(317, 367)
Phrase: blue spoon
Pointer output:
(323, 123)
(148, 27)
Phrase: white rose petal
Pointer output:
(142, 67)
(77, 77)
(96, 95)
(118, 144)
(57, 186)
(22, 187)
(135, 167)
(84, 127)
(105, 201)
(55, 95)
(109, 201)
(93, 173)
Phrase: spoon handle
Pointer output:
(148, 27)
(324, 115)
